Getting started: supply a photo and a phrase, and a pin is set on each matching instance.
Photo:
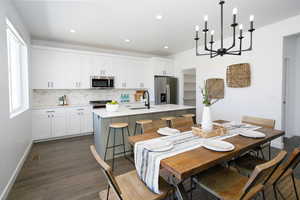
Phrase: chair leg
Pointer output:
(263, 195)
(124, 149)
(269, 151)
(295, 188)
(107, 141)
(113, 159)
(107, 194)
(275, 193)
(135, 127)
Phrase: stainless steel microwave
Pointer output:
(102, 82)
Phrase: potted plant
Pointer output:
(207, 125)
(112, 106)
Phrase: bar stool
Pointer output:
(141, 123)
(190, 115)
(116, 126)
(168, 119)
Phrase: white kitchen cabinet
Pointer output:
(79, 120)
(48, 123)
(41, 124)
(162, 67)
(58, 122)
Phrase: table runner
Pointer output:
(147, 162)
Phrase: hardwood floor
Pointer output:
(65, 170)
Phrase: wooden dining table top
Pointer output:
(192, 162)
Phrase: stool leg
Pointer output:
(107, 143)
(124, 150)
(113, 161)
(135, 126)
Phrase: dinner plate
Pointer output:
(167, 131)
(218, 145)
(166, 146)
(252, 134)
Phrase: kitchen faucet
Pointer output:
(147, 103)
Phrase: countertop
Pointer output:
(124, 110)
(58, 106)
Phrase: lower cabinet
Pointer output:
(58, 122)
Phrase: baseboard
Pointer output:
(12, 179)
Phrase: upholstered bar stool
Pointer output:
(140, 123)
(116, 126)
(190, 115)
(168, 120)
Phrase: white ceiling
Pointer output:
(107, 23)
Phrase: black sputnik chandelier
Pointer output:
(223, 51)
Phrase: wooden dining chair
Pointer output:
(246, 163)
(127, 186)
(182, 122)
(265, 123)
(227, 184)
(154, 126)
(284, 171)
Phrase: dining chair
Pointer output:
(227, 184)
(182, 122)
(265, 123)
(284, 171)
(127, 186)
(246, 163)
(154, 126)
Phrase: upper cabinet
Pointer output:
(162, 66)
(54, 68)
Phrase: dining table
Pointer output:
(187, 164)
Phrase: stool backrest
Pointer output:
(265, 123)
(107, 172)
(263, 172)
(154, 126)
(181, 122)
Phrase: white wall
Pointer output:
(264, 97)
(15, 133)
(292, 56)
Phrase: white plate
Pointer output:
(167, 131)
(252, 134)
(160, 147)
(218, 145)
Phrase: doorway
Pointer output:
(189, 87)
(291, 86)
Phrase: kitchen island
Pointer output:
(130, 114)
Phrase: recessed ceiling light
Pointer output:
(166, 47)
(159, 17)
(72, 31)
(127, 40)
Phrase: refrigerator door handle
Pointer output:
(168, 94)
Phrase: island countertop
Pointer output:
(126, 110)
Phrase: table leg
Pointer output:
(179, 189)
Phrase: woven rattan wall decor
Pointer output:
(215, 88)
(238, 75)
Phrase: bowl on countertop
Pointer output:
(112, 107)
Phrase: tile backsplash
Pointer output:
(78, 97)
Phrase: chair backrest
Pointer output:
(107, 172)
(180, 122)
(265, 123)
(290, 165)
(263, 172)
(154, 126)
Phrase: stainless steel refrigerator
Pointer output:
(165, 89)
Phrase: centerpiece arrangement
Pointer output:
(207, 128)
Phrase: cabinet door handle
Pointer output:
(52, 116)
(48, 84)
(79, 84)
(48, 116)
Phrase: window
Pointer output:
(17, 71)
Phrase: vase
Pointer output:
(206, 125)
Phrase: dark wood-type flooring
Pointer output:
(65, 170)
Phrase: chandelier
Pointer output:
(223, 51)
